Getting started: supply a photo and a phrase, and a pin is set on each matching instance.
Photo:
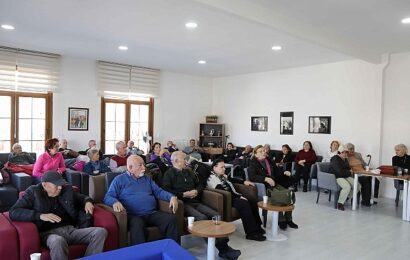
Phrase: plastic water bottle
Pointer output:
(399, 172)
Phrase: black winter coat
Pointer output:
(35, 202)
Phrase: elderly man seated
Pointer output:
(194, 150)
(118, 162)
(185, 184)
(131, 149)
(18, 156)
(54, 208)
(138, 194)
(65, 151)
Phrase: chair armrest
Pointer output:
(227, 203)
(73, 177)
(104, 218)
(29, 238)
(9, 239)
(327, 180)
(21, 181)
(213, 200)
(313, 171)
(164, 206)
(122, 223)
(248, 192)
(261, 190)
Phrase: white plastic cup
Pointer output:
(265, 200)
(209, 160)
(35, 256)
(96, 172)
(406, 171)
(367, 168)
(191, 221)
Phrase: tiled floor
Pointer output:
(325, 233)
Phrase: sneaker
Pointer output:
(256, 237)
(230, 253)
(291, 224)
(340, 206)
(283, 225)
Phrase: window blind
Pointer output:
(23, 70)
(126, 81)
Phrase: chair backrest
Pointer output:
(97, 188)
(109, 177)
(325, 179)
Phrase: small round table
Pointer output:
(207, 228)
(275, 236)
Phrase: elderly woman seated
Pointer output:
(95, 166)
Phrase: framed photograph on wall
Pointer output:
(259, 123)
(77, 119)
(286, 123)
(319, 124)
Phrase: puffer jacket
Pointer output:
(35, 202)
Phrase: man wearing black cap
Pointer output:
(52, 206)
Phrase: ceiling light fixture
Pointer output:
(276, 48)
(7, 27)
(406, 20)
(122, 48)
(191, 25)
(202, 62)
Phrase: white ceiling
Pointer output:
(233, 36)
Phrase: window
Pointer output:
(25, 118)
(124, 120)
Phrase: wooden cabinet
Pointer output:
(212, 137)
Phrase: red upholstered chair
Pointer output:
(29, 239)
(9, 241)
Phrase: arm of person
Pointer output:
(85, 201)
(104, 167)
(167, 184)
(61, 165)
(38, 166)
(23, 210)
(113, 193)
(88, 168)
(113, 165)
(311, 158)
(253, 174)
(340, 171)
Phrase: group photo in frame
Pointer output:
(286, 123)
(259, 123)
(77, 119)
(320, 124)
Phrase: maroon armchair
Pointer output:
(8, 236)
(29, 239)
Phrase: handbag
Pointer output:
(280, 196)
(386, 169)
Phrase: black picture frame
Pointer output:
(286, 123)
(78, 119)
(320, 124)
(259, 123)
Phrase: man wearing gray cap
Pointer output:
(52, 206)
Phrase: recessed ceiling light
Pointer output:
(202, 62)
(406, 20)
(191, 25)
(122, 48)
(7, 27)
(276, 48)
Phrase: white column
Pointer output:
(276, 236)
(405, 200)
(356, 180)
(211, 248)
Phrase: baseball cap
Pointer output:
(53, 177)
(342, 149)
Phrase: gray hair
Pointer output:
(118, 144)
(349, 146)
(175, 155)
(91, 152)
(15, 146)
(401, 147)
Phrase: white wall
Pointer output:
(396, 109)
(349, 92)
(183, 103)
(78, 89)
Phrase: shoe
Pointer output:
(366, 203)
(230, 253)
(291, 224)
(283, 225)
(256, 237)
(304, 188)
(261, 231)
(340, 206)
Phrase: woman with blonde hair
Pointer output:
(334, 146)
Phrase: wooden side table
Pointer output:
(275, 236)
(207, 228)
